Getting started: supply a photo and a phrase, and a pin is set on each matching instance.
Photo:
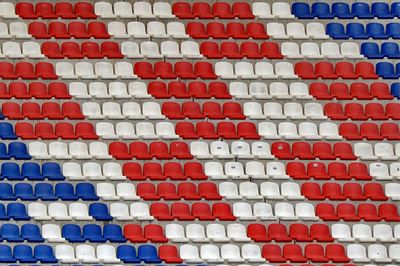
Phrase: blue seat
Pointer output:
(361, 10)
(381, 10)
(24, 254)
(393, 30)
(31, 233)
(301, 10)
(113, 233)
(44, 254)
(65, 191)
(376, 31)
(45, 191)
(11, 171)
(18, 151)
(10, 233)
(356, 31)
(398, 69)
(386, 70)
(86, 191)
(52, 171)
(7, 131)
(6, 192)
(3, 213)
(336, 31)
(3, 152)
(390, 50)
(395, 9)
(31, 171)
(93, 233)
(6, 254)
(99, 211)
(24, 191)
(321, 10)
(371, 50)
(127, 254)
(148, 254)
(395, 89)
(72, 233)
(17, 211)
(341, 10)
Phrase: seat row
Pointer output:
(356, 30)
(17, 30)
(234, 30)
(61, 30)
(139, 10)
(356, 90)
(328, 50)
(369, 131)
(221, 10)
(26, 70)
(376, 252)
(380, 150)
(12, 50)
(153, 29)
(364, 233)
(357, 111)
(102, 70)
(381, 171)
(388, 70)
(31, 171)
(16, 150)
(45, 10)
(249, 50)
(37, 90)
(63, 130)
(25, 254)
(341, 10)
(74, 50)
(45, 191)
(36, 111)
(372, 50)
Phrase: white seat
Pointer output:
(249, 190)
(350, 50)
(120, 212)
(92, 110)
(170, 49)
(395, 170)
(268, 130)
(12, 50)
(282, 10)
(59, 150)
(123, 70)
(296, 31)
(310, 50)
(38, 211)
(145, 130)
(379, 171)
(92, 171)
(132, 110)
(259, 90)
(152, 110)
(58, 211)
(127, 191)
(86, 254)
(261, 150)
(176, 233)
(216, 233)
(305, 211)
(38, 150)
(107, 254)
(270, 190)
(4, 34)
(143, 10)
(99, 90)
(285, 211)
(138, 90)
(308, 130)
(392, 190)
(252, 253)
(79, 211)
(231, 253)
(79, 90)
(140, 211)
(245, 70)
(342, 232)
(229, 191)
(190, 49)
(72, 171)
(79, 150)
(314, 111)
(99, 150)
(117, 30)
(243, 211)
(285, 70)
(237, 232)
(316, 30)
(163, 10)
(106, 191)
(225, 70)
(394, 252)
(378, 253)
(384, 151)
(265, 70)
(156, 29)
(273, 110)
(279, 90)
(220, 149)
(19, 30)
(291, 50)
(396, 231)
(200, 150)
(7, 10)
(189, 253)
(331, 50)
(364, 151)
(104, 10)
(210, 253)
(239, 90)
(383, 232)
(166, 130)
(235, 170)
(357, 253)
(52, 233)
(277, 30)
(288, 130)
(150, 50)
(112, 110)
(328, 130)
(85, 70)
(241, 150)
(123, 10)
(276, 170)
(125, 130)
(65, 254)
(131, 50)
(118, 90)
(176, 30)
(363, 233)
(256, 170)
(196, 233)
(65, 70)
(253, 110)
(263, 211)
(291, 191)
(137, 29)
(262, 10)
(113, 171)
(105, 70)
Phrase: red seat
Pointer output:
(85, 10)
(52, 50)
(223, 212)
(332, 191)
(25, 10)
(272, 253)
(375, 111)
(178, 89)
(38, 30)
(72, 110)
(196, 30)
(247, 130)
(167, 191)
(222, 10)
(315, 253)
(208, 191)
(52, 111)
(198, 90)
(202, 10)
(323, 151)
(192, 110)
(326, 212)
(45, 70)
(347, 212)
(325, 70)
(38, 90)
(153, 171)
(147, 191)
(393, 110)
(258, 233)
(242, 10)
(355, 111)
(32, 110)
(210, 50)
(180, 150)
(338, 171)
(299, 232)
(144, 70)
(169, 254)
(219, 90)
(134, 233)
(202, 211)
(340, 91)
(159, 150)
(317, 170)
(58, 30)
(216, 30)
(91, 50)
(368, 212)
(65, 131)
(361, 91)
(293, 253)
(366, 70)
(45, 131)
(182, 10)
(133, 171)
(312, 191)
(85, 130)
(320, 91)
(164, 70)
(188, 191)
(250, 50)
(65, 10)
(57, 90)
(119, 150)
(158, 90)
(343, 151)
(212, 110)
(25, 131)
(353, 191)
(321, 233)
(19, 90)
(359, 171)
(78, 30)
(12, 110)
(206, 130)
(381, 91)
(297, 170)
(186, 130)
(227, 130)
(305, 70)
(334, 111)
(390, 131)
(161, 212)
(349, 131)
(302, 150)
(181, 211)
(236, 30)
(257, 30)
(111, 50)
(336, 253)
(71, 50)
(204, 70)
(172, 110)
(194, 171)
(4, 91)
(345, 70)
(233, 110)
(45, 10)
(281, 150)
(174, 171)
(389, 212)
(184, 70)
(271, 50)
(278, 233)
(370, 131)
(25, 70)
(97, 30)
